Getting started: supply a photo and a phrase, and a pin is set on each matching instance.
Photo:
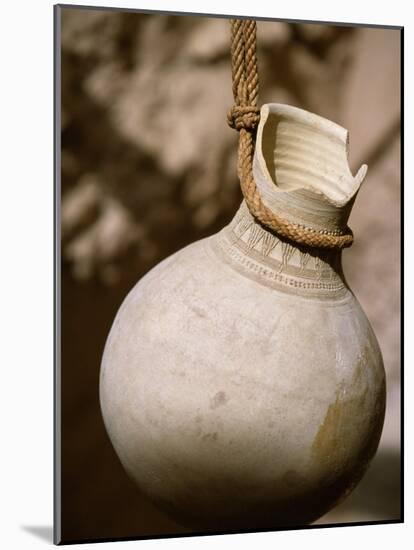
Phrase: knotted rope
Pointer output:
(244, 117)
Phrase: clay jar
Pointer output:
(241, 384)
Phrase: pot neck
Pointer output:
(302, 175)
(301, 169)
(263, 256)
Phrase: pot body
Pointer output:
(241, 384)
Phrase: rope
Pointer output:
(244, 117)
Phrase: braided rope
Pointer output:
(244, 117)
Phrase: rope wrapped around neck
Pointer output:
(244, 117)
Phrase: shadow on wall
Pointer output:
(43, 532)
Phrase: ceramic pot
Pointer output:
(241, 384)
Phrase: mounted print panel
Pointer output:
(228, 229)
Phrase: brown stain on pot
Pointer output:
(349, 434)
(219, 399)
(210, 437)
(327, 445)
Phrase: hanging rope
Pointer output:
(244, 117)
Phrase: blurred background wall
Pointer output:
(148, 165)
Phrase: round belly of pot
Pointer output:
(234, 405)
